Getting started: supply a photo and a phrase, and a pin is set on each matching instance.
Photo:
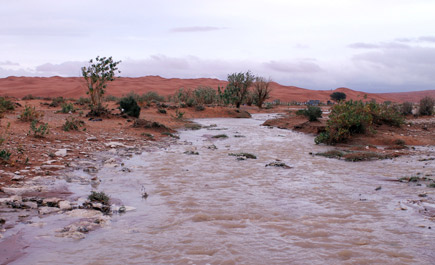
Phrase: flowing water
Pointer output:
(214, 209)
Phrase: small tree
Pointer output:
(426, 106)
(261, 91)
(238, 86)
(338, 96)
(97, 75)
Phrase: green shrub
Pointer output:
(100, 197)
(312, 113)
(72, 124)
(426, 106)
(199, 108)
(83, 101)
(30, 114)
(220, 136)
(406, 108)
(38, 131)
(178, 114)
(4, 155)
(385, 114)
(5, 105)
(110, 98)
(355, 117)
(244, 155)
(67, 108)
(56, 102)
(128, 105)
(151, 96)
(28, 97)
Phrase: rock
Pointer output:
(17, 178)
(48, 210)
(51, 202)
(31, 205)
(114, 144)
(85, 213)
(61, 152)
(48, 167)
(92, 138)
(65, 205)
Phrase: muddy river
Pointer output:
(207, 207)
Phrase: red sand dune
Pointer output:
(74, 87)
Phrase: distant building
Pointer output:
(312, 102)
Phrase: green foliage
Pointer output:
(151, 96)
(56, 102)
(4, 155)
(100, 197)
(244, 155)
(179, 114)
(129, 106)
(38, 131)
(406, 108)
(312, 113)
(28, 97)
(338, 96)
(426, 106)
(72, 124)
(83, 101)
(356, 117)
(97, 75)
(261, 91)
(199, 96)
(67, 108)
(110, 98)
(5, 105)
(238, 86)
(385, 114)
(219, 136)
(30, 114)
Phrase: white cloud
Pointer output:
(195, 29)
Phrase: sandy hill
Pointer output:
(74, 87)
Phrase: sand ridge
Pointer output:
(75, 87)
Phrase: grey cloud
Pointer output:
(401, 69)
(195, 29)
(417, 40)
(362, 45)
(64, 69)
(294, 67)
(384, 45)
(8, 63)
(427, 38)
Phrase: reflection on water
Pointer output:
(212, 208)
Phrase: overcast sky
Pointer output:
(366, 45)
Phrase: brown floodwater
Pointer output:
(214, 209)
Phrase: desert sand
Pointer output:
(74, 87)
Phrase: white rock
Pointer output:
(61, 152)
(52, 167)
(31, 205)
(85, 213)
(65, 205)
(114, 144)
(48, 210)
